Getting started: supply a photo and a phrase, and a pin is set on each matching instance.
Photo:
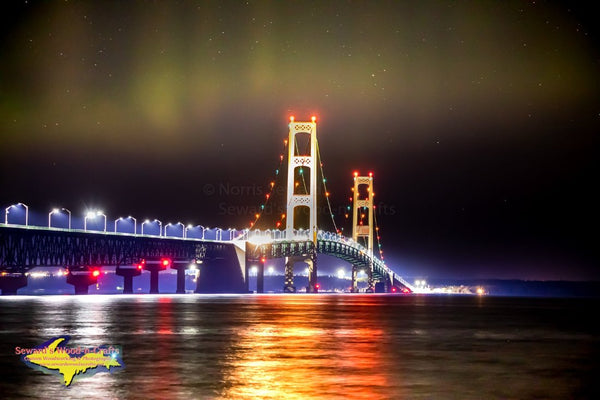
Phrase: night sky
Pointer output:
(479, 119)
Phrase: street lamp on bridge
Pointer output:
(7, 210)
(148, 222)
(92, 215)
(190, 227)
(123, 219)
(56, 211)
(175, 224)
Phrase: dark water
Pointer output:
(311, 346)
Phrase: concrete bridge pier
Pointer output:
(11, 282)
(128, 273)
(155, 266)
(288, 283)
(82, 279)
(313, 283)
(154, 270)
(354, 288)
(180, 266)
(389, 285)
(260, 278)
(371, 281)
(221, 274)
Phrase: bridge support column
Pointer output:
(246, 273)
(180, 277)
(10, 283)
(155, 266)
(260, 278)
(370, 280)
(202, 271)
(82, 280)
(128, 273)
(288, 284)
(221, 274)
(313, 285)
(389, 285)
(154, 270)
(354, 288)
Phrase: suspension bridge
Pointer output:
(224, 258)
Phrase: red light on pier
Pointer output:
(317, 285)
(165, 262)
(95, 273)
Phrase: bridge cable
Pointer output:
(377, 234)
(269, 195)
(324, 180)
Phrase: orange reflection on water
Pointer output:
(297, 356)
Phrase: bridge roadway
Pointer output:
(224, 264)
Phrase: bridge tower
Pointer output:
(363, 202)
(302, 197)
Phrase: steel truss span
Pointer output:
(24, 249)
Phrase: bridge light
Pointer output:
(313, 118)
(291, 118)
(317, 285)
(355, 174)
(263, 260)
(165, 262)
(95, 273)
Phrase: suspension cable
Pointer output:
(269, 195)
(324, 180)
(377, 236)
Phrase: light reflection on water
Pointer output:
(311, 346)
(294, 356)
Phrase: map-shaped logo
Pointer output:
(72, 363)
